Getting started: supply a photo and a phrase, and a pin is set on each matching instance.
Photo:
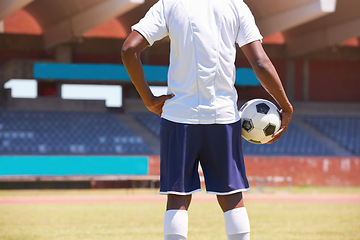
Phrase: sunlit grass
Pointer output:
(143, 220)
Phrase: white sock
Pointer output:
(175, 225)
(240, 236)
(237, 224)
(174, 237)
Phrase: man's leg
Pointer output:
(236, 219)
(176, 217)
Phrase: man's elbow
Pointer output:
(127, 51)
(262, 66)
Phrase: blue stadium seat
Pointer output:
(151, 121)
(295, 142)
(66, 133)
(345, 130)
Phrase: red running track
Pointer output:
(313, 198)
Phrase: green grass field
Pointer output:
(128, 220)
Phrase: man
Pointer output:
(200, 121)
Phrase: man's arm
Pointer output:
(130, 53)
(269, 79)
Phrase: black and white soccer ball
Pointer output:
(260, 119)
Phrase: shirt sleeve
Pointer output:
(153, 25)
(248, 31)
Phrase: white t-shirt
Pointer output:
(202, 56)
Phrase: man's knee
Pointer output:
(232, 201)
(178, 202)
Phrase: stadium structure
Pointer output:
(70, 117)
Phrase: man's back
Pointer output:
(202, 71)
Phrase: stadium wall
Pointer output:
(144, 171)
(319, 171)
(334, 80)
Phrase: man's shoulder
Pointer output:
(170, 2)
(239, 4)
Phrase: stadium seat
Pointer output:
(294, 142)
(151, 121)
(345, 130)
(66, 133)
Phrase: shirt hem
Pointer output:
(200, 121)
(250, 40)
(143, 33)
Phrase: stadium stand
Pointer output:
(295, 142)
(343, 129)
(66, 133)
(150, 121)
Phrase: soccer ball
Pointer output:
(260, 119)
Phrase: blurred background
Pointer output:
(70, 117)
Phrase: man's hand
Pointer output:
(157, 103)
(285, 121)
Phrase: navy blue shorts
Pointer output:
(217, 147)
